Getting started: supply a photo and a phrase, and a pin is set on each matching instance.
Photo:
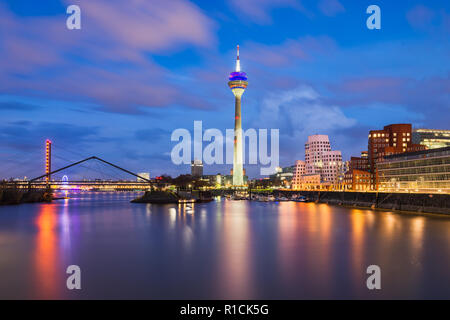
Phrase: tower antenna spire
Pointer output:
(238, 62)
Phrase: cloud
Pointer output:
(331, 7)
(154, 133)
(23, 144)
(290, 52)
(422, 98)
(155, 25)
(17, 106)
(108, 61)
(420, 17)
(425, 19)
(25, 135)
(258, 11)
(298, 113)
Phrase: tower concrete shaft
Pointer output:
(238, 170)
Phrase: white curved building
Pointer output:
(319, 160)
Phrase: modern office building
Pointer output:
(238, 83)
(320, 159)
(431, 138)
(197, 168)
(421, 171)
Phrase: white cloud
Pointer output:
(300, 112)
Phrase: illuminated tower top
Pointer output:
(238, 80)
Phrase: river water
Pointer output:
(219, 250)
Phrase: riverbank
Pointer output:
(18, 196)
(412, 202)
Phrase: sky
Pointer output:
(139, 69)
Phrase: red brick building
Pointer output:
(393, 139)
(357, 180)
(360, 163)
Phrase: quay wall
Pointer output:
(417, 202)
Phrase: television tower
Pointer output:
(238, 83)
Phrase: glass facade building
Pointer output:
(422, 171)
(431, 138)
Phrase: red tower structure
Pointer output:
(48, 159)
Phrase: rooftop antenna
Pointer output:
(238, 62)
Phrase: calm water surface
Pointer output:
(219, 250)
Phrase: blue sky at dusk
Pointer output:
(137, 70)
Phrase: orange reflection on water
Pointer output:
(323, 244)
(288, 230)
(358, 220)
(312, 224)
(235, 253)
(46, 263)
(417, 230)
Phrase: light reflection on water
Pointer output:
(46, 255)
(224, 249)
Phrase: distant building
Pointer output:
(421, 171)
(145, 175)
(393, 139)
(431, 138)
(197, 168)
(214, 179)
(283, 175)
(227, 180)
